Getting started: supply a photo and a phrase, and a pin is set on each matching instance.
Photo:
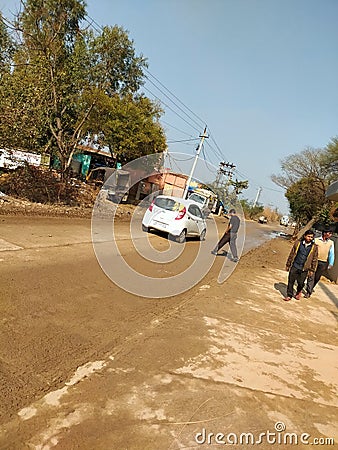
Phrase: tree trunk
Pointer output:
(298, 233)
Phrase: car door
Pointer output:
(196, 223)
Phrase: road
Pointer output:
(86, 365)
(58, 308)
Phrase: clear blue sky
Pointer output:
(262, 74)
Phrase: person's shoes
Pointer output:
(298, 296)
(213, 252)
(287, 299)
(234, 259)
(307, 295)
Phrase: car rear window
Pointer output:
(197, 198)
(168, 203)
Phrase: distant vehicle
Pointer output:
(176, 216)
(206, 200)
(284, 221)
(262, 219)
(116, 182)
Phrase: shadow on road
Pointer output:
(281, 287)
(330, 294)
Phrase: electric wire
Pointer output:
(171, 159)
(181, 160)
(155, 96)
(214, 171)
(217, 152)
(182, 140)
(192, 112)
(175, 128)
(257, 184)
(177, 106)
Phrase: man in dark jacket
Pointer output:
(230, 236)
(302, 261)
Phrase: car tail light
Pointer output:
(181, 214)
(151, 206)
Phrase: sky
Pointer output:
(260, 74)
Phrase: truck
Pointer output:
(206, 200)
(115, 181)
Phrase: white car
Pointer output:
(284, 221)
(176, 216)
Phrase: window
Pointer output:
(195, 211)
(168, 204)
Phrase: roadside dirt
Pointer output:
(58, 309)
(12, 206)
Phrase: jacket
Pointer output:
(311, 261)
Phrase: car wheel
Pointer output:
(181, 237)
(202, 235)
(145, 229)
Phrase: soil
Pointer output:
(12, 206)
(86, 365)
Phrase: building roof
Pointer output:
(332, 192)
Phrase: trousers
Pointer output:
(231, 239)
(296, 275)
(313, 279)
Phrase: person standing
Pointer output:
(302, 261)
(230, 236)
(325, 260)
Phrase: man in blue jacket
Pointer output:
(302, 262)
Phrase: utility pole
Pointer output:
(221, 171)
(257, 197)
(198, 151)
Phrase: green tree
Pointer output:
(330, 158)
(7, 48)
(305, 177)
(307, 199)
(131, 128)
(68, 83)
(250, 211)
(239, 186)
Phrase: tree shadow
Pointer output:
(330, 295)
(282, 288)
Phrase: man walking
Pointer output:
(325, 260)
(230, 236)
(302, 261)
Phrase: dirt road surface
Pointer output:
(86, 365)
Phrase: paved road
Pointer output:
(58, 309)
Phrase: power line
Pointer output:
(175, 128)
(206, 162)
(256, 184)
(218, 153)
(155, 96)
(183, 160)
(182, 140)
(177, 106)
(192, 112)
